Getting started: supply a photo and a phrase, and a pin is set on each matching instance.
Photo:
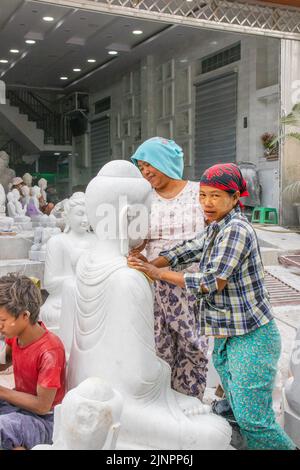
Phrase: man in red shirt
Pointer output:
(38, 358)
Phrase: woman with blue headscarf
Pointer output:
(176, 216)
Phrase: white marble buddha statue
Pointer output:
(6, 173)
(62, 253)
(114, 327)
(88, 418)
(11, 208)
(2, 201)
(19, 209)
(25, 191)
(6, 223)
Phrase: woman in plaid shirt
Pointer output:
(233, 304)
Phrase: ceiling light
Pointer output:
(3, 61)
(64, 78)
(91, 61)
(76, 70)
(30, 41)
(112, 52)
(56, 153)
(137, 32)
(14, 51)
(214, 43)
(48, 18)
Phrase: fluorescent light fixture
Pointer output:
(112, 52)
(30, 41)
(14, 51)
(91, 61)
(137, 32)
(48, 18)
(56, 153)
(64, 78)
(77, 70)
(3, 61)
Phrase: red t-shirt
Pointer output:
(39, 363)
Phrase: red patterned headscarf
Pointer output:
(225, 176)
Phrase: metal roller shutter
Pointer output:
(215, 122)
(100, 144)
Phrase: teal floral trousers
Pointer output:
(247, 366)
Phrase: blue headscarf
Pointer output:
(163, 154)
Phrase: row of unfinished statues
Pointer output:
(22, 201)
(103, 312)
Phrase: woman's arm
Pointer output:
(155, 272)
(178, 279)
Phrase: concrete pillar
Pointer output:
(289, 148)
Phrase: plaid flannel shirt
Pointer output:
(227, 250)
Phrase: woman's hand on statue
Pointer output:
(137, 254)
(145, 267)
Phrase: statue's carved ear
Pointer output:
(123, 229)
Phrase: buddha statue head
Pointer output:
(118, 203)
(75, 214)
(90, 416)
(42, 182)
(4, 160)
(27, 178)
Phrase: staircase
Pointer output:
(33, 125)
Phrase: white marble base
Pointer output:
(24, 266)
(15, 246)
(291, 421)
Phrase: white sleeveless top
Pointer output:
(174, 220)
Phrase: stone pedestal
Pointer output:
(24, 266)
(14, 247)
(291, 420)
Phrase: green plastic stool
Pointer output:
(261, 215)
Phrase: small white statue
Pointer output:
(88, 418)
(27, 178)
(11, 208)
(25, 190)
(36, 194)
(6, 173)
(114, 327)
(2, 201)
(42, 183)
(19, 209)
(62, 255)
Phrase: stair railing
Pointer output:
(55, 126)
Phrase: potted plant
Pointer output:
(270, 144)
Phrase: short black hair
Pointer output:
(18, 293)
